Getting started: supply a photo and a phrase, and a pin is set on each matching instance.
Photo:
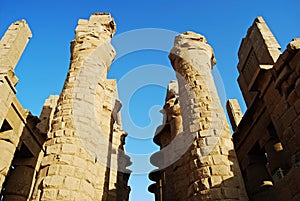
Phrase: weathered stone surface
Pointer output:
(266, 137)
(81, 157)
(20, 142)
(79, 146)
(234, 113)
(75, 150)
(201, 166)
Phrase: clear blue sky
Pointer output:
(43, 66)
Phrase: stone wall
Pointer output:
(266, 139)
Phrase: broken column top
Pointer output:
(191, 41)
(13, 44)
(234, 113)
(98, 22)
(190, 35)
(93, 37)
(173, 86)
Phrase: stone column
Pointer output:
(259, 181)
(215, 174)
(277, 158)
(12, 45)
(75, 161)
(234, 113)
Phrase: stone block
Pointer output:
(7, 150)
(225, 142)
(9, 136)
(65, 159)
(69, 149)
(215, 181)
(53, 149)
(54, 181)
(79, 162)
(58, 133)
(87, 188)
(89, 177)
(71, 183)
(220, 160)
(53, 169)
(49, 194)
(212, 141)
(221, 170)
(66, 170)
(63, 194)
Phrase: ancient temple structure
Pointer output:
(267, 136)
(75, 149)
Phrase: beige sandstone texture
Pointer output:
(82, 150)
(75, 150)
(207, 167)
(267, 137)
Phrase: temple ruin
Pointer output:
(75, 149)
(266, 137)
(207, 168)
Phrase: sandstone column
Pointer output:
(74, 165)
(166, 136)
(12, 46)
(215, 174)
(234, 113)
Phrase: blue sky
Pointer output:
(43, 66)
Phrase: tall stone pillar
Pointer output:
(277, 158)
(214, 170)
(166, 136)
(76, 158)
(12, 45)
(234, 112)
(259, 181)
